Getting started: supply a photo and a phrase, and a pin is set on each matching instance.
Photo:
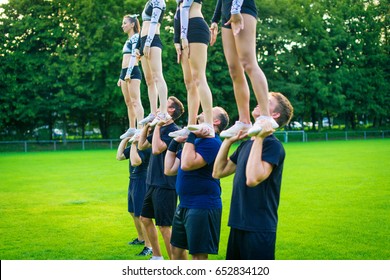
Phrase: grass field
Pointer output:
(335, 204)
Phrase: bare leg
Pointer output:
(151, 232)
(198, 70)
(138, 227)
(246, 49)
(192, 92)
(237, 74)
(150, 83)
(136, 99)
(129, 104)
(200, 256)
(166, 234)
(155, 64)
(179, 253)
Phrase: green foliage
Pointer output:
(334, 204)
(60, 62)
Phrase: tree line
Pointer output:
(60, 61)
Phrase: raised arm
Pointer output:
(143, 142)
(135, 159)
(121, 149)
(190, 159)
(171, 162)
(258, 170)
(223, 166)
(158, 145)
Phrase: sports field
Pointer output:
(335, 204)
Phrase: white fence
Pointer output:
(56, 145)
(104, 144)
(303, 136)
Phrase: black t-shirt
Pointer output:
(255, 208)
(155, 176)
(139, 171)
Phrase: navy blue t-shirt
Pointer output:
(197, 189)
(141, 170)
(155, 176)
(255, 208)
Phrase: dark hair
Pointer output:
(134, 19)
(178, 106)
(284, 108)
(223, 118)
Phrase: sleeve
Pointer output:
(176, 27)
(137, 47)
(272, 151)
(165, 134)
(208, 149)
(217, 12)
(234, 156)
(144, 155)
(236, 6)
(157, 6)
(133, 58)
(184, 18)
(126, 153)
(150, 138)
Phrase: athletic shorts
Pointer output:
(155, 43)
(160, 204)
(135, 74)
(250, 245)
(197, 230)
(198, 31)
(248, 7)
(136, 195)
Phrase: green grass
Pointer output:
(72, 205)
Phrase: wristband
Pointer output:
(191, 138)
(173, 146)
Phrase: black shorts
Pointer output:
(155, 43)
(135, 74)
(136, 195)
(250, 245)
(248, 7)
(198, 31)
(160, 204)
(197, 230)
